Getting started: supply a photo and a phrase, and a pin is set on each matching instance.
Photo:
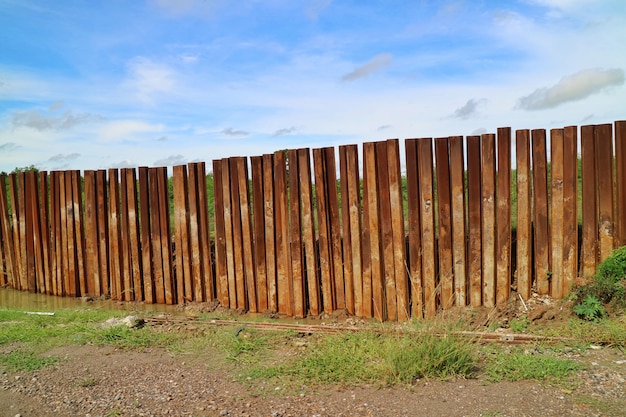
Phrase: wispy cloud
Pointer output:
(383, 127)
(469, 109)
(35, 119)
(285, 131)
(8, 146)
(315, 7)
(64, 157)
(171, 161)
(234, 133)
(148, 78)
(378, 62)
(177, 8)
(572, 88)
(123, 164)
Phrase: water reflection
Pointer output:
(22, 300)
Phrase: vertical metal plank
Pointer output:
(206, 271)
(73, 287)
(542, 231)
(308, 227)
(103, 231)
(7, 237)
(258, 211)
(397, 219)
(388, 294)
(503, 216)
(146, 246)
(323, 232)
(166, 236)
(474, 209)
(488, 188)
(570, 212)
(368, 182)
(246, 232)
(221, 271)
(620, 178)
(155, 234)
(373, 287)
(589, 256)
(427, 216)
(240, 279)
(35, 262)
(335, 227)
(415, 238)
(604, 165)
(283, 275)
(91, 235)
(295, 242)
(524, 214)
(270, 230)
(133, 224)
(444, 206)
(127, 285)
(182, 258)
(57, 262)
(15, 217)
(556, 212)
(345, 230)
(457, 192)
(115, 266)
(353, 195)
(228, 235)
(194, 184)
(44, 194)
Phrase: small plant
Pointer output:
(590, 309)
(519, 325)
(88, 382)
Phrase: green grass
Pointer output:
(519, 365)
(26, 360)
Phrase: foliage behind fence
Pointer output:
(287, 234)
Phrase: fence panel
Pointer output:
(427, 216)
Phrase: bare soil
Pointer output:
(102, 381)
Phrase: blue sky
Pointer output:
(96, 84)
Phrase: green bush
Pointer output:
(608, 288)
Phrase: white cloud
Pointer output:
(123, 164)
(572, 88)
(378, 62)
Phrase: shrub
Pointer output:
(608, 288)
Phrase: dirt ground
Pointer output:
(102, 381)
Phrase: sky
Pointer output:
(94, 84)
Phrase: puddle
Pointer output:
(23, 300)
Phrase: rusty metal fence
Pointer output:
(300, 233)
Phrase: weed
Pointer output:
(87, 382)
(519, 325)
(590, 309)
